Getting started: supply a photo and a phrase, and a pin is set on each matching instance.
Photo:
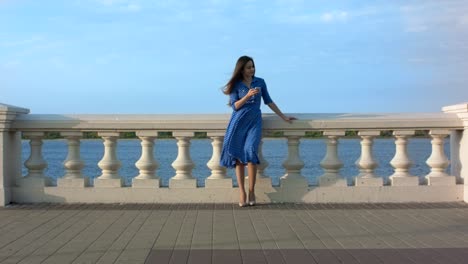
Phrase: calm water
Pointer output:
(312, 152)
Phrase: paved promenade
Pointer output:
(224, 233)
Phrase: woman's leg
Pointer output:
(252, 171)
(240, 174)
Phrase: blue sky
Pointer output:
(160, 57)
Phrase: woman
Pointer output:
(244, 130)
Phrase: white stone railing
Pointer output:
(108, 187)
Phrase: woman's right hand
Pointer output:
(253, 92)
(288, 119)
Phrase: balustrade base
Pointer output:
(465, 193)
(404, 181)
(182, 183)
(72, 183)
(325, 181)
(218, 183)
(108, 183)
(312, 194)
(5, 196)
(294, 182)
(145, 183)
(264, 191)
(28, 182)
(441, 180)
(360, 181)
(263, 183)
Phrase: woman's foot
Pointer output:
(252, 198)
(242, 202)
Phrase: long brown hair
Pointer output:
(237, 74)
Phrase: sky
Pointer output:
(174, 57)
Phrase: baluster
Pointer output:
(262, 182)
(331, 163)
(263, 163)
(401, 162)
(147, 164)
(183, 164)
(438, 161)
(109, 163)
(293, 164)
(218, 177)
(366, 162)
(35, 163)
(73, 164)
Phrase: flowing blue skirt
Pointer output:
(242, 138)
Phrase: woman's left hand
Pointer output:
(289, 119)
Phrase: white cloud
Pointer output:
(435, 16)
(110, 2)
(4, 1)
(463, 21)
(299, 19)
(107, 59)
(23, 42)
(122, 5)
(300, 12)
(439, 29)
(57, 62)
(219, 2)
(133, 7)
(415, 28)
(334, 16)
(11, 64)
(289, 3)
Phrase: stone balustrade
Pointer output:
(108, 187)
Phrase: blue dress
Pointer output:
(244, 131)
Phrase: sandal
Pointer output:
(243, 203)
(252, 198)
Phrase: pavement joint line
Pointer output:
(405, 213)
(55, 251)
(319, 224)
(121, 234)
(31, 241)
(122, 212)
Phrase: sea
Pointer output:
(311, 151)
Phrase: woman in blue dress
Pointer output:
(244, 131)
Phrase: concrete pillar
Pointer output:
(401, 162)
(183, 163)
(456, 137)
(438, 162)
(35, 164)
(73, 163)
(218, 177)
(10, 151)
(463, 158)
(147, 164)
(293, 164)
(331, 163)
(263, 163)
(459, 144)
(366, 162)
(109, 163)
(263, 182)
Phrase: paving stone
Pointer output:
(225, 233)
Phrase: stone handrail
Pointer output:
(108, 187)
(218, 122)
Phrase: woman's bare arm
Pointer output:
(277, 111)
(244, 99)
